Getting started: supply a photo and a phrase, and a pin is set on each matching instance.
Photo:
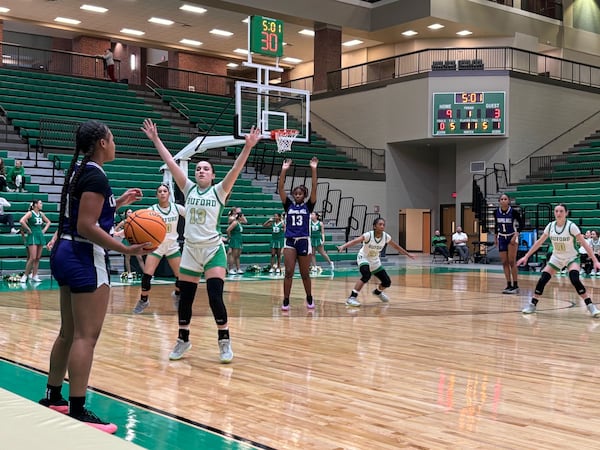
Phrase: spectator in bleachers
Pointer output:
(459, 240)
(7, 218)
(109, 63)
(317, 242)
(277, 226)
(438, 243)
(16, 176)
(33, 226)
(3, 182)
(235, 240)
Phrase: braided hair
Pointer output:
(86, 137)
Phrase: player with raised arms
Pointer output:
(203, 250)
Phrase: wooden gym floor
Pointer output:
(449, 363)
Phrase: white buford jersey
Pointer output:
(371, 247)
(203, 211)
(170, 216)
(563, 238)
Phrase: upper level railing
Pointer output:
(462, 60)
(16, 56)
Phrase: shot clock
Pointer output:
(468, 113)
(266, 36)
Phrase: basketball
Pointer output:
(145, 225)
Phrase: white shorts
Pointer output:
(374, 263)
(557, 262)
(196, 260)
(167, 248)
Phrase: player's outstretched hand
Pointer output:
(314, 162)
(253, 137)
(340, 248)
(410, 255)
(286, 164)
(150, 130)
(597, 266)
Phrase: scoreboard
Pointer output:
(468, 113)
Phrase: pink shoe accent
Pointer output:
(285, 307)
(63, 409)
(311, 306)
(109, 428)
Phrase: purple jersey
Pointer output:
(297, 219)
(507, 222)
(93, 179)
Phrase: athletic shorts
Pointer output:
(374, 263)
(168, 248)
(81, 266)
(301, 245)
(196, 260)
(557, 262)
(504, 241)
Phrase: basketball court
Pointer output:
(450, 362)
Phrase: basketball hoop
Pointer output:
(284, 138)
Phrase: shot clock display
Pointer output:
(468, 113)
(266, 36)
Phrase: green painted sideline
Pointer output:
(138, 425)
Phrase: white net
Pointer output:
(284, 139)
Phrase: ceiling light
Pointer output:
(292, 60)
(133, 32)
(190, 42)
(67, 20)
(194, 9)
(409, 33)
(241, 51)
(464, 33)
(221, 32)
(232, 65)
(352, 43)
(160, 21)
(246, 20)
(307, 32)
(4, 10)
(435, 26)
(92, 8)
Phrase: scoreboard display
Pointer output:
(468, 113)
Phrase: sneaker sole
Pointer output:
(285, 308)
(178, 357)
(310, 305)
(226, 360)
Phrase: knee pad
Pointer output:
(146, 282)
(214, 287)
(366, 273)
(539, 288)
(186, 300)
(576, 282)
(384, 278)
